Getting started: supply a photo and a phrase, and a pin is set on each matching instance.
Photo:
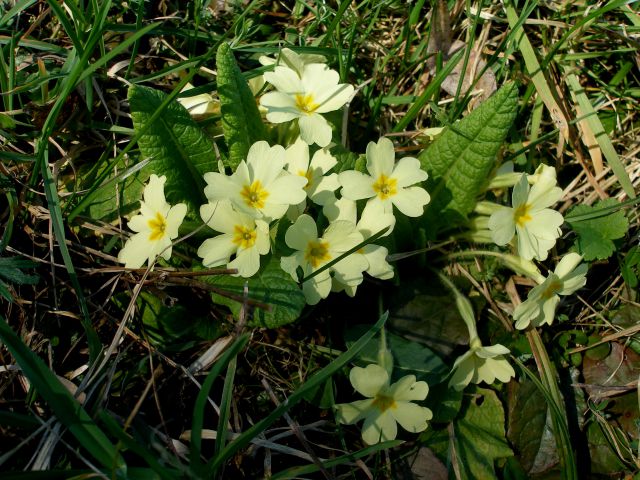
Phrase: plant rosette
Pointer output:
(386, 405)
(540, 306)
(535, 226)
(481, 364)
(388, 183)
(156, 226)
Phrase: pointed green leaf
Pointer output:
(175, 146)
(459, 161)
(241, 119)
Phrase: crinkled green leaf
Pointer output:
(596, 234)
(459, 161)
(272, 286)
(480, 436)
(175, 146)
(241, 119)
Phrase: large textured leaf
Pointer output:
(241, 119)
(175, 146)
(459, 161)
(272, 286)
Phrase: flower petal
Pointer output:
(502, 226)
(280, 107)
(381, 427)
(370, 380)
(380, 158)
(315, 129)
(408, 171)
(356, 185)
(284, 79)
(413, 418)
(301, 233)
(350, 413)
(174, 219)
(411, 201)
(407, 389)
(217, 250)
(135, 251)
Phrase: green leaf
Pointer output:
(10, 270)
(241, 119)
(596, 234)
(65, 407)
(480, 436)
(272, 286)
(460, 160)
(175, 146)
(410, 358)
(530, 434)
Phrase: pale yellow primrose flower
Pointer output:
(386, 406)
(320, 185)
(293, 60)
(312, 252)
(260, 187)
(242, 235)
(372, 220)
(155, 226)
(388, 183)
(481, 364)
(304, 97)
(536, 226)
(203, 104)
(540, 306)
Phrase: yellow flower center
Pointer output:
(305, 103)
(317, 253)
(554, 287)
(158, 225)
(254, 195)
(384, 402)
(308, 175)
(385, 187)
(521, 214)
(244, 237)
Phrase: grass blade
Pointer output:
(65, 407)
(316, 380)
